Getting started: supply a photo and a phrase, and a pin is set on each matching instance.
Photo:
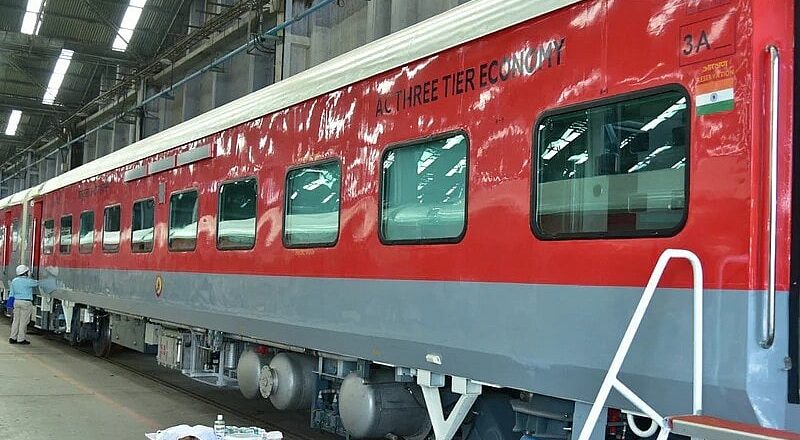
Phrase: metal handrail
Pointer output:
(773, 193)
(612, 381)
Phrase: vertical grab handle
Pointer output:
(774, 66)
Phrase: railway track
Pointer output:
(290, 429)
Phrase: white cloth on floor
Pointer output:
(181, 431)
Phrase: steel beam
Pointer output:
(14, 140)
(37, 46)
(31, 105)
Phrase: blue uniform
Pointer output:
(22, 288)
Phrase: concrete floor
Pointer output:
(49, 390)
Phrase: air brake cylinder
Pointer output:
(377, 409)
(248, 372)
(289, 381)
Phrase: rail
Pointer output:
(774, 64)
(612, 380)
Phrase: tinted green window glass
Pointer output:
(425, 191)
(86, 236)
(236, 221)
(48, 236)
(183, 221)
(65, 235)
(614, 170)
(312, 205)
(111, 223)
(142, 226)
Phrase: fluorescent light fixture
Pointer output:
(126, 28)
(570, 134)
(646, 161)
(666, 114)
(32, 20)
(57, 77)
(131, 18)
(13, 121)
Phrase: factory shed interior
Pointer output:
(399, 219)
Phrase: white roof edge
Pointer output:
(459, 25)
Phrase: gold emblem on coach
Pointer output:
(159, 285)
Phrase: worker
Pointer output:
(22, 290)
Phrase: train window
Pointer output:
(236, 219)
(111, 226)
(312, 205)
(183, 221)
(424, 191)
(142, 226)
(86, 234)
(65, 235)
(48, 236)
(613, 170)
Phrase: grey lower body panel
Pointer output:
(553, 340)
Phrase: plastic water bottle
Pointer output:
(219, 427)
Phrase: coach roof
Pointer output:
(459, 25)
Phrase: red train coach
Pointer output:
(476, 201)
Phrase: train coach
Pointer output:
(447, 232)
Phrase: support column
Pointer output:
(379, 20)
(404, 14)
(90, 146)
(31, 170)
(51, 166)
(151, 121)
(41, 168)
(121, 134)
(60, 156)
(4, 191)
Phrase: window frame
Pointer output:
(80, 221)
(103, 231)
(382, 188)
(71, 233)
(619, 98)
(169, 219)
(219, 209)
(153, 243)
(328, 160)
(53, 249)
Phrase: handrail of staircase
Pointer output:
(612, 380)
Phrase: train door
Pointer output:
(14, 245)
(5, 249)
(33, 236)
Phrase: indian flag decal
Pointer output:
(714, 96)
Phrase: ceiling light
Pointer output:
(32, 20)
(13, 121)
(129, 21)
(57, 77)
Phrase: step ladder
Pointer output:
(696, 426)
(712, 428)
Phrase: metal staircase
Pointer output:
(696, 426)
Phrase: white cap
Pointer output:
(22, 269)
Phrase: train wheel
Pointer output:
(492, 419)
(102, 342)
